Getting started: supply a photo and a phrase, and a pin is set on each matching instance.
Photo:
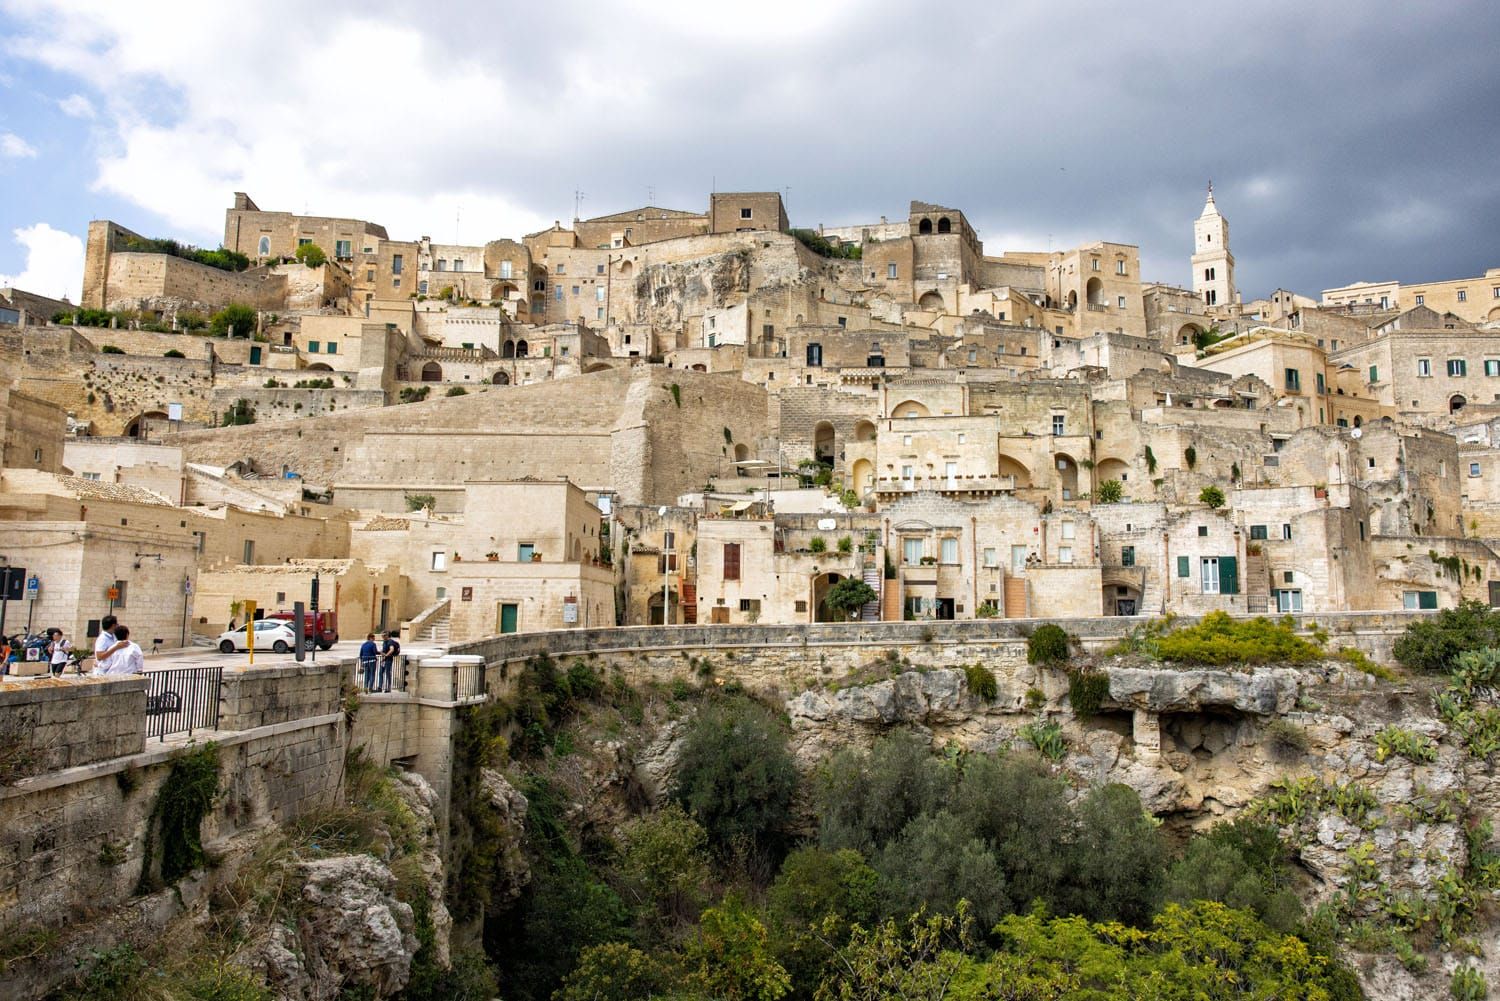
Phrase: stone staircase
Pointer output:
(431, 624)
(872, 576)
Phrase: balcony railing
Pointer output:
(181, 700)
(944, 484)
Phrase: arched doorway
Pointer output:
(944, 226)
(924, 228)
(139, 423)
(910, 408)
(864, 430)
(521, 349)
(432, 372)
(863, 476)
(1067, 475)
(654, 605)
(823, 443)
(741, 454)
(1358, 421)
(319, 366)
(932, 301)
(1111, 469)
(1094, 290)
(1072, 298)
(500, 379)
(508, 349)
(1456, 403)
(1188, 332)
(1017, 469)
(820, 585)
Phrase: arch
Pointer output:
(597, 366)
(910, 408)
(820, 586)
(653, 607)
(1359, 421)
(1495, 313)
(1457, 402)
(503, 290)
(924, 228)
(698, 367)
(1067, 474)
(1094, 292)
(931, 300)
(1121, 598)
(137, 423)
(626, 269)
(263, 249)
(864, 430)
(1111, 469)
(863, 476)
(500, 379)
(944, 226)
(521, 349)
(1015, 467)
(432, 372)
(1073, 298)
(1187, 332)
(741, 454)
(319, 366)
(823, 442)
(508, 349)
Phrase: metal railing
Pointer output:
(181, 700)
(468, 681)
(400, 674)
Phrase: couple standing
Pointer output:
(115, 652)
(386, 654)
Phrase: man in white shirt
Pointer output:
(104, 642)
(125, 656)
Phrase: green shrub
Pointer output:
(415, 394)
(846, 544)
(1212, 496)
(1288, 740)
(1087, 691)
(1468, 984)
(456, 391)
(234, 320)
(818, 544)
(1413, 746)
(1357, 659)
(735, 775)
(1190, 456)
(1219, 640)
(981, 682)
(110, 349)
(174, 353)
(416, 502)
(239, 412)
(848, 595)
(1048, 645)
(222, 258)
(1476, 673)
(1110, 492)
(1432, 645)
(1047, 738)
(311, 255)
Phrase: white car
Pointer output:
(275, 635)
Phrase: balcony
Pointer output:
(916, 575)
(943, 484)
(1098, 307)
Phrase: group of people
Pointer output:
(384, 655)
(114, 651)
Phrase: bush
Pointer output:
(846, 542)
(1433, 645)
(189, 319)
(1048, 646)
(1413, 746)
(863, 800)
(1220, 640)
(1087, 691)
(234, 320)
(1110, 492)
(1047, 738)
(818, 544)
(982, 684)
(311, 255)
(936, 862)
(1288, 740)
(1212, 496)
(848, 595)
(1190, 456)
(664, 865)
(414, 394)
(239, 412)
(1243, 865)
(110, 349)
(174, 353)
(735, 775)
(222, 258)
(416, 502)
(456, 391)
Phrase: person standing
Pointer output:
(389, 651)
(368, 655)
(125, 656)
(58, 649)
(104, 642)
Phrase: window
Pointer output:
(1094, 264)
(745, 213)
(304, 241)
(961, 439)
(525, 551)
(1288, 600)
(1065, 554)
(1473, 469)
(1293, 381)
(200, 539)
(264, 248)
(1457, 367)
(1412, 600)
(1421, 300)
(557, 293)
(119, 601)
(1361, 531)
(439, 560)
(1069, 530)
(1121, 302)
(912, 550)
(1119, 267)
(1183, 566)
(575, 289)
(332, 347)
(1209, 576)
(731, 561)
(1202, 531)
(666, 563)
(906, 439)
(458, 264)
(750, 605)
(669, 540)
(1286, 532)
(1492, 367)
(505, 269)
(1374, 374)
(312, 347)
(598, 315)
(561, 270)
(949, 551)
(422, 287)
(369, 274)
(395, 283)
(1127, 556)
(1257, 533)
(814, 356)
(248, 553)
(442, 265)
(1424, 367)
(1208, 274)
(599, 294)
(908, 473)
(991, 557)
(890, 271)
(1463, 295)
(1322, 385)
(396, 264)
(1058, 425)
(1211, 297)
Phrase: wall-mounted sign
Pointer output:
(466, 594)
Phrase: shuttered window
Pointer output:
(731, 561)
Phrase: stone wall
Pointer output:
(51, 725)
(261, 696)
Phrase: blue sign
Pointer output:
(33, 588)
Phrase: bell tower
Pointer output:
(1213, 264)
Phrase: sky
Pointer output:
(1345, 141)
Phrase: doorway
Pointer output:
(509, 615)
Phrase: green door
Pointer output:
(508, 618)
(1229, 577)
(255, 356)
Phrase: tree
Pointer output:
(1118, 858)
(1232, 866)
(1110, 492)
(239, 412)
(1020, 809)
(1433, 645)
(1212, 496)
(1048, 646)
(816, 899)
(664, 865)
(730, 958)
(614, 972)
(849, 595)
(864, 800)
(234, 320)
(735, 774)
(916, 959)
(935, 863)
(311, 255)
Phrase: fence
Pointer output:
(468, 681)
(181, 700)
(400, 675)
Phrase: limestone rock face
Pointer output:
(351, 932)
(422, 799)
(911, 697)
(1262, 692)
(511, 860)
(656, 764)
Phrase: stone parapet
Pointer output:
(260, 696)
(48, 725)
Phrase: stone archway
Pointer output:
(1457, 402)
(432, 372)
(1067, 474)
(864, 430)
(932, 301)
(924, 228)
(944, 225)
(863, 476)
(823, 442)
(1094, 292)
(820, 586)
(500, 379)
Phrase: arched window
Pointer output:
(432, 372)
(924, 228)
(264, 249)
(520, 349)
(944, 226)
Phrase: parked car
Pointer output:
(270, 634)
(322, 627)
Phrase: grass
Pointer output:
(1219, 640)
(1358, 660)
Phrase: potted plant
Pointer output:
(1320, 491)
(536, 557)
(492, 557)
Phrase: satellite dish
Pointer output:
(827, 524)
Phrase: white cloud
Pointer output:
(54, 263)
(14, 147)
(77, 106)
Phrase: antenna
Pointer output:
(578, 197)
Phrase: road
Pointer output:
(202, 656)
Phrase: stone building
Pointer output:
(1213, 264)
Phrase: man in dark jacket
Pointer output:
(389, 651)
(369, 653)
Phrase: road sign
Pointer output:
(33, 588)
(112, 593)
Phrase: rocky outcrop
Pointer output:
(513, 872)
(1262, 692)
(422, 799)
(350, 932)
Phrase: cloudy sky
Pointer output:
(1343, 143)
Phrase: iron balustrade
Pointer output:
(181, 700)
(468, 681)
(400, 675)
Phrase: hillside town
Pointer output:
(713, 417)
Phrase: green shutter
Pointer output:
(1229, 579)
(1426, 599)
(1182, 566)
